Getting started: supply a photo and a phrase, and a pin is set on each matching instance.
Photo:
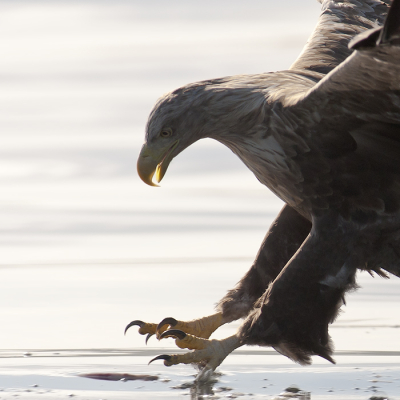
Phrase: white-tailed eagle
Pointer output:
(324, 136)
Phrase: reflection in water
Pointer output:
(293, 393)
(204, 388)
(200, 390)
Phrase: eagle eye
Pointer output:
(166, 133)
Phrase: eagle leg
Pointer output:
(207, 354)
(283, 239)
(294, 313)
(201, 327)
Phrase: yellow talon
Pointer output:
(147, 328)
(192, 343)
(144, 327)
(207, 353)
(202, 327)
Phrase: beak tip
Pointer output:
(146, 168)
(150, 165)
(149, 181)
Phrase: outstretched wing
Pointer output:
(339, 22)
(359, 102)
(365, 89)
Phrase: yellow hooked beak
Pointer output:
(154, 161)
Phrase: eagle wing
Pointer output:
(352, 117)
(362, 95)
(339, 22)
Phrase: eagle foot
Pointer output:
(201, 328)
(144, 328)
(207, 354)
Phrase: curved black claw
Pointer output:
(173, 333)
(134, 323)
(149, 335)
(170, 321)
(165, 357)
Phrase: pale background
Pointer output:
(85, 246)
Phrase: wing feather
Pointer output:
(363, 89)
(360, 100)
(339, 22)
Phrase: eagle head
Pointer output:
(173, 124)
(230, 110)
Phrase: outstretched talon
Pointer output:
(173, 333)
(144, 328)
(202, 327)
(185, 340)
(208, 354)
(164, 357)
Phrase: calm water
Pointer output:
(78, 79)
(85, 246)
